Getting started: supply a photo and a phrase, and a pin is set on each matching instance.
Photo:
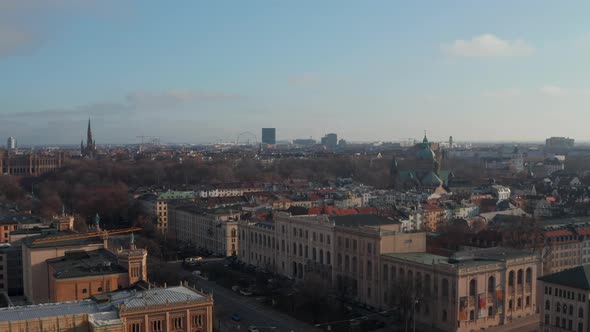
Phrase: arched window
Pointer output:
(529, 276)
(511, 278)
(472, 287)
(471, 315)
(490, 311)
(557, 307)
(519, 302)
(491, 284)
(547, 305)
(354, 265)
(580, 327)
(401, 273)
(445, 287)
(418, 281)
(346, 263)
(427, 285)
(571, 309)
(328, 258)
(580, 312)
(510, 305)
(519, 277)
(564, 308)
(321, 256)
(314, 254)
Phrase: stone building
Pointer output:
(79, 275)
(30, 164)
(34, 262)
(420, 171)
(214, 230)
(564, 300)
(179, 309)
(343, 250)
(470, 291)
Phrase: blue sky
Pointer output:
(202, 71)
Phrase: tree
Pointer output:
(405, 293)
(314, 293)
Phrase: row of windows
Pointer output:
(198, 321)
(564, 309)
(559, 292)
(563, 323)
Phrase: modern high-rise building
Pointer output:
(330, 140)
(269, 136)
(11, 143)
(559, 142)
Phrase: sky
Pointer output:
(206, 71)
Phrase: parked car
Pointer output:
(236, 317)
(253, 328)
(246, 292)
(235, 288)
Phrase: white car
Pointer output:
(253, 328)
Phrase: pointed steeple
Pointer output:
(89, 141)
(425, 140)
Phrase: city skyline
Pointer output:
(202, 72)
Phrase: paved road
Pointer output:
(250, 310)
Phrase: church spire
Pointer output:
(89, 140)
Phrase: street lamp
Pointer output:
(417, 301)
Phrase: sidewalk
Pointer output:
(526, 324)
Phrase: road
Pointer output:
(250, 310)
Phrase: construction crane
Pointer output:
(143, 137)
(71, 237)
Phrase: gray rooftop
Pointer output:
(356, 220)
(48, 310)
(85, 263)
(154, 296)
(467, 257)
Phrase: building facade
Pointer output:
(179, 309)
(214, 230)
(269, 136)
(564, 300)
(470, 291)
(30, 164)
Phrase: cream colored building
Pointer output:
(470, 291)
(290, 245)
(360, 242)
(564, 300)
(342, 249)
(215, 230)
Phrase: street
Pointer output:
(250, 310)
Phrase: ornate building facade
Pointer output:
(420, 171)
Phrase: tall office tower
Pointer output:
(11, 143)
(269, 136)
(330, 140)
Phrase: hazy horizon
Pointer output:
(379, 71)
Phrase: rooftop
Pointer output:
(577, 277)
(20, 219)
(57, 243)
(85, 263)
(154, 296)
(48, 310)
(464, 258)
(356, 220)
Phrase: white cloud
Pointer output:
(553, 91)
(488, 45)
(502, 93)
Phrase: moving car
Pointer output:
(236, 317)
